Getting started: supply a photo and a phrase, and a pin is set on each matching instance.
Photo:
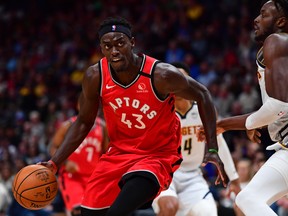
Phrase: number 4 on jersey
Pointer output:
(188, 145)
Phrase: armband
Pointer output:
(213, 150)
(269, 112)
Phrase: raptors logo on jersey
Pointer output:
(134, 103)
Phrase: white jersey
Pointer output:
(188, 184)
(269, 184)
(192, 150)
(278, 130)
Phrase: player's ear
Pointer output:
(281, 22)
(132, 40)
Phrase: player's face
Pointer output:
(117, 48)
(265, 22)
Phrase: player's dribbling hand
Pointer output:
(49, 164)
(212, 157)
(254, 135)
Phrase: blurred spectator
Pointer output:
(199, 44)
(5, 199)
(190, 60)
(223, 99)
(245, 171)
(5, 187)
(174, 52)
(249, 98)
(37, 130)
(207, 74)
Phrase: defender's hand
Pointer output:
(168, 206)
(213, 157)
(200, 133)
(234, 187)
(254, 135)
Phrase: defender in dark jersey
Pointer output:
(137, 93)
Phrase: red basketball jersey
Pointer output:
(87, 154)
(138, 121)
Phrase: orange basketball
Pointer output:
(35, 187)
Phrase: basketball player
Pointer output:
(74, 174)
(189, 192)
(271, 182)
(137, 94)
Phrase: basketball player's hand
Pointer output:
(49, 164)
(254, 135)
(212, 157)
(200, 133)
(168, 206)
(234, 187)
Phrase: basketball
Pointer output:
(35, 187)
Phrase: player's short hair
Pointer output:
(282, 6)
(115, 24)
(183, 66)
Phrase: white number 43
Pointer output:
(140, 124)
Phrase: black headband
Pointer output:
(114, 28)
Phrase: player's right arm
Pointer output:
(232, 123)
(79, 129)
(56, 141)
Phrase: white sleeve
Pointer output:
(225, 156)
(268, 113)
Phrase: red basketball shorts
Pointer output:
(103, 185)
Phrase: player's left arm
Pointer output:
(168, 79)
